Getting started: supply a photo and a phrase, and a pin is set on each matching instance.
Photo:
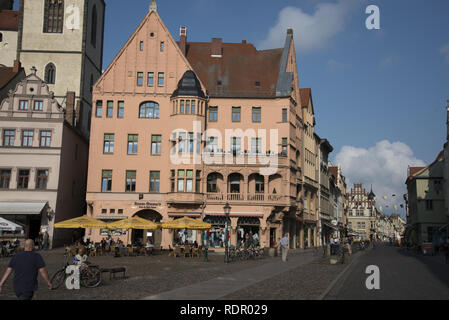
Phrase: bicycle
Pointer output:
(90, 276)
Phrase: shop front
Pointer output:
(216, 235)
(27, 216)
(248, 231)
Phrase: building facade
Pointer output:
(182, 128)
(362, 213)
(326, 227)
(63, 39)
(426, 205)
(43, 161)
(339, 201)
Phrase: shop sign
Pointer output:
(147, 205)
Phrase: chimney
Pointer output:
(17, 66)
(290, 31)
(70, 107)
(243, 41)
(217, 48)
(183, 39)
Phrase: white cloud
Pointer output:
(311, 31)
(384, 166)
(445, 51)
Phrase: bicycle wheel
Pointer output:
(90, 277)
(58, 279)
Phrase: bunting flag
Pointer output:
(402, 206)
(394, 195)
(385, 197)
(395, 207)
(380, 208)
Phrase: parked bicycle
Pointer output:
(90, 276)
(252, 252)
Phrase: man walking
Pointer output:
(284, 247)
(26, 265)
(46, 237)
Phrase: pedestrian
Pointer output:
(26, 265)
(284, 243)
(45, 238)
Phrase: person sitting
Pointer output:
(81, 258)
(195, 244)
(149, 246)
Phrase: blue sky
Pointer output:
(379, 95)
(368, 85)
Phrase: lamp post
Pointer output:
(227, 210)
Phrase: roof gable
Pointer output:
(121, 74)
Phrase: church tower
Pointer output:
(63, 39)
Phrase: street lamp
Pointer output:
(227, 210)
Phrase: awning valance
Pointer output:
(20, 208)
(330, 225)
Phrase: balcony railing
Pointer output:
(250, 197)
(235, 197)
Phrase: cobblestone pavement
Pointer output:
(307, 282)
(146, 276)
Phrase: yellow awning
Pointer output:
(187, 223)
(133, 223)
(82, 222)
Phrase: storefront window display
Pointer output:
(184, 236)
(216, 235)
(248, 232)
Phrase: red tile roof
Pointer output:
(414, 171)
(239, 68)
(6, 75)
(9, 20)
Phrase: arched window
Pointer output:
(53, 16)
(149, 110)
(93, 31)
(50, 73)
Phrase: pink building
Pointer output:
(182, 128)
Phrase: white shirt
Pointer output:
(284, 242)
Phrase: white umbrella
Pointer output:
(6, 225)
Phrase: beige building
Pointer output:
(362, 213)
(63, 39)
(426, 206)
(43, 160)
(182, 128)
(339, 201)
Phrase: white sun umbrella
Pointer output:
(6, 225)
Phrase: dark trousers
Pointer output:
(25, 295)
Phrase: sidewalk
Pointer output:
(222, 286)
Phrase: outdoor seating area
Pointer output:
(97, 250)
(186, 251)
